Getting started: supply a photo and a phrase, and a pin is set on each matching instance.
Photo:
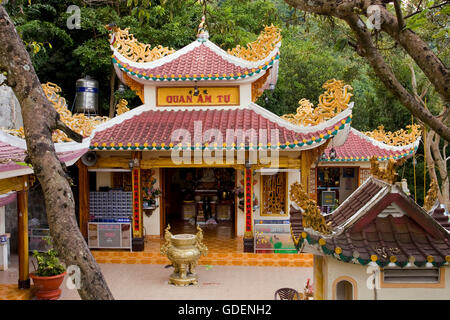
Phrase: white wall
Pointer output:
(152, 223)
(150, 95)
(336, 269)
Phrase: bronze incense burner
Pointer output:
(183, 250)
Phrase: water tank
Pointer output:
(86, 99)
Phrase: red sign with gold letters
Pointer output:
(248, 199)
(136, 203)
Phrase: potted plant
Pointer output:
(49, 274)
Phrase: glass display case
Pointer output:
(273, 236)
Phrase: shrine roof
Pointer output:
(13, 153)
(378, 223)
(201, 60)
(359, 147)
(157, 128)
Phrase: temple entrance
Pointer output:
(200, 196)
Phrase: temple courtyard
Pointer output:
(149, 282)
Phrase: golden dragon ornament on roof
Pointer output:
(261, 48)
(311, 215)
(397, 138)
(129, 47)
(333, 101)
(77, 122)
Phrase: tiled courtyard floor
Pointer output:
(225, 273)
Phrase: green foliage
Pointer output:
(314, 50)
(48, 263)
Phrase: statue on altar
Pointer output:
(208, 180)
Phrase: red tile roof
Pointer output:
(197, 61)
(12, 157)
(359, 147)
(154, 128)
(379, 231)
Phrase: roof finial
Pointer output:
(202, 32)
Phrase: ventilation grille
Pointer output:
(428, 275)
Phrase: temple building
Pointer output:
(199, 150)
(342, 169)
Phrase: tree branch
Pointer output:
(398, 12)
(69, 132)
(433, 68)
(432, 7)
(385, 74)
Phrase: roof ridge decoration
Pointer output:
(334, 100)
(311, 215)
(129, 47)
(261, 48)
(202, 33)
(77, 122)
(144, 64)
(388, 173)
(384, 145)
(397, 138)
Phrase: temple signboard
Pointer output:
(201, 96)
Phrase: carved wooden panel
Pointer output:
(274, 195)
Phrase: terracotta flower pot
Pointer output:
(48, 287)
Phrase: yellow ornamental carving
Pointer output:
(398, 138)
(261, 48)
(432, 195)
(77, 122)
(388, 173)
(333, 101)
(129, 47)
(311, 217)
(122, 107)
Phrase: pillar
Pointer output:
(22, 228)
(137, 225)
(249, 244)
(83, 195)
(318, 277)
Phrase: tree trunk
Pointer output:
(40, 120)
(112, 99)
(438, 160)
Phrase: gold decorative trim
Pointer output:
(398, 138)
(135, 86)
(432, 195)
(333, 101)
(122, 107)
(129, 47)
(257, 90)
(311, 215)
(261, 48)
(388, 173)
(77, 122)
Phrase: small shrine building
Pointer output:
(378, 245)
